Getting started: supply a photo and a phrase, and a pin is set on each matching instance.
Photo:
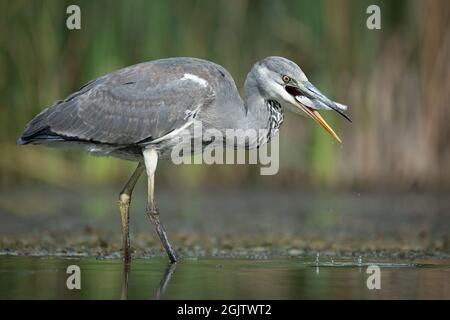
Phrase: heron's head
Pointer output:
(280, 79)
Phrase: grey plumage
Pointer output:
(122, 112)
(141, 112)
(134, 104)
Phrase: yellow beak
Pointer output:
(318, 118)
(305, 94)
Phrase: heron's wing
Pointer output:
(125, 107)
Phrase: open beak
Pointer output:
(318, 118)
(310, 99)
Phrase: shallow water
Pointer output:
(218, 278)
(235, 244)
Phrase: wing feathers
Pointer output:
(125, 112)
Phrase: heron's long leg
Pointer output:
(151, 160)
(124, 206)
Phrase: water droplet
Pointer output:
(359, 260)
(317, 258)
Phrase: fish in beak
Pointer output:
(309, 100)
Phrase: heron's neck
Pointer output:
(262, 113)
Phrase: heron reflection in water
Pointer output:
(159, 290)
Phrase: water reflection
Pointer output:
(165, 280)
(223, 278)
(159, 290)
(126, 276)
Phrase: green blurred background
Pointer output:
(396, 80)
(385, 188)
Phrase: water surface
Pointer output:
(218, 278)
(234, 244)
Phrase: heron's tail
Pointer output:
(36, 130)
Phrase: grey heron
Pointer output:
(136, 113)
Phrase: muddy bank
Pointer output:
(225, 222)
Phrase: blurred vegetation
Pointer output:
(396, 80)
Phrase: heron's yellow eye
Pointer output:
(286, 79)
